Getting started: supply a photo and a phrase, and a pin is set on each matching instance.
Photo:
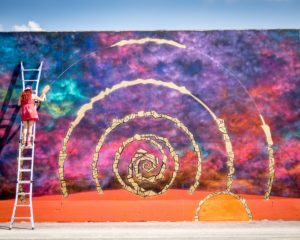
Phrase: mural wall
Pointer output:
(204, 121)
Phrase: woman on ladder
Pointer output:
(29, 114)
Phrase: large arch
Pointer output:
(124, 84)
(220, 122)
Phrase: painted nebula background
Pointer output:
(238, 74)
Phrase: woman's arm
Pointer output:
(41, 98)
(43, 95)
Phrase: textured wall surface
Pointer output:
(237, 74)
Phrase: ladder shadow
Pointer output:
(9, 111)
(4, 227)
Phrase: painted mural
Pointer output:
(202, 116)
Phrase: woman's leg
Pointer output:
(24, 132)
(30, 129)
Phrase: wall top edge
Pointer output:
(158, 30)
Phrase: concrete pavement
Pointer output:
(154, 230)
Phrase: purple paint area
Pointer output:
(216, 66)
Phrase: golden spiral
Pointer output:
(142, 156)
(155, 115)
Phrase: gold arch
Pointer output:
(124, 84)
(145, 40)
(268, 135)
(264, 126)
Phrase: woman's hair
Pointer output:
(26, 96)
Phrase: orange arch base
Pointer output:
(174, 205)
(223, 207)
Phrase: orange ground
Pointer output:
(120, 205)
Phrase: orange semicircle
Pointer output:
(223, 206)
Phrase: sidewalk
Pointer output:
(154, 230)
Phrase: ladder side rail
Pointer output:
(22, 74)
(38, 78)
(33, 133)
(31, 176)
(18, 179)
(20, 155)
(31, 171)
(32, 152)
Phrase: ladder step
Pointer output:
(31, 80)
(27, 193)
(25, 170)
(22, 217)
(26, 158)
(28, 69)
(23, 205)
(25, 182)
(27, 147)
